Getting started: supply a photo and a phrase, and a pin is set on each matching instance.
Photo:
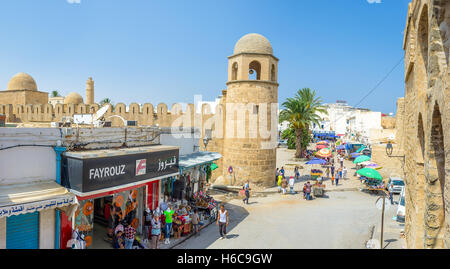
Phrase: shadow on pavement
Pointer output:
(231, 236)
(389, 241)
(211, 233)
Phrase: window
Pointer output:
(254, 71)
(272, 73)
(234, 71)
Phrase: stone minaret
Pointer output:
(252, 90)
(90, 91)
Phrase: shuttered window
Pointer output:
(22, 231)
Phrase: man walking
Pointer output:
(391, 189)
(247, 192)
(168, 214)
(332, 170)
(223, 221)
(337, 179)
(291, 185)
(308, 191)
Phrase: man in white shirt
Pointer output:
(291, 184)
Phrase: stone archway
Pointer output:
(435, 176)
(419, 189)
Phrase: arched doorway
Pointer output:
(435, 175)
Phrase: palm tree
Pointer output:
(106, 101)
(301, 111)
(55, 94)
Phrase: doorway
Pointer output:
(101, 238)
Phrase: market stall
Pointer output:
(318, 187)
(372, 179)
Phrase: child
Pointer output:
(332, 180)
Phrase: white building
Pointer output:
(354, 123)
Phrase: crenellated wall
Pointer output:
(145, 115)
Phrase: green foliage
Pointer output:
(54, 94)
(289, 134)
(106, 101)
(301, 111)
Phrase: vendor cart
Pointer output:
(318, 190)
(316, 173)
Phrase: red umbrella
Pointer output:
(321, 146)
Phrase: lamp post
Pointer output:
(207, 138)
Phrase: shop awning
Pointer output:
(27, 198)
(198, 158)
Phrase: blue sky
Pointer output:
(168, 51)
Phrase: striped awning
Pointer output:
(198, 158)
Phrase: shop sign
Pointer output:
(140, 167)
(36, 206)
(85, 175)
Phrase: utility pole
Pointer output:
(382, 220)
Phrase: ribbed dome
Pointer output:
(73, 98)
(253, 43)
(22, 81)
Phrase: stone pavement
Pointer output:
(339, 220)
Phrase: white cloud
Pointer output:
(74, 1)
(374, 1)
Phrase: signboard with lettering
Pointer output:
(92, 174)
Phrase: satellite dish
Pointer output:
(100, 113)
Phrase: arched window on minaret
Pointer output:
(254, 71)
(234, 71)
(272, 73)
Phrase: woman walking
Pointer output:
(156, 230)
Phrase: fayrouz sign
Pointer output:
(91, 174)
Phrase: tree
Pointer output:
(289, 134)
(300, 112)
(106, 101)
(54, 94)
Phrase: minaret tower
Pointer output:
(252, 92)
(90, 91)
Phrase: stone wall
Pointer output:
(22, 97)
(388, 122)
(424, 134)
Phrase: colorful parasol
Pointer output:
(370, 173)
(324, 153)
(214, 166)
(316, 161)
(321, 146)
(361, 159)
(372, 165)
(322, 142)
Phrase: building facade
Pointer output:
(424, 134)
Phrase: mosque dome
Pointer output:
(73, 98)
(22, 81)
(253, 43)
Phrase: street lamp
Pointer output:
(207, 138)
(389, 149)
